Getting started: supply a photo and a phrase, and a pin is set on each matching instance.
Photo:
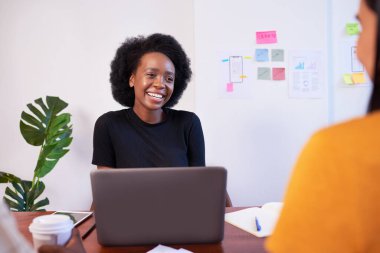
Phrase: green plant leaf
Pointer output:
(24, 195)
(36, 112)
(60, 153)
(63, 143)
(13, 205)
(56, 104)
(19, 189)
(8, 178)
(41, 103)
(63, 133)
(32, 121)
(43, 202)
(13, 195)
(31, 135)
(49, 129)
(58, 123)
(36, 191)
(46, 167)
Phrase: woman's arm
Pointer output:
(103, 168)
(196, 144)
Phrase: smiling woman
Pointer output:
(153, 85)
(149, 74)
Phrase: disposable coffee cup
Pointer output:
(51, 230)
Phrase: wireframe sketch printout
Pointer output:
(356, 65)
(305, 74)
(354, 74)
(236, 69)
(235, 74)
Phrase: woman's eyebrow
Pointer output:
(157, 69)
(151, 69)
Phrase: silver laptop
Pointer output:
(146, 206)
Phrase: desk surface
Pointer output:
(235, 240)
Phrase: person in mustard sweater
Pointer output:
(332, 203)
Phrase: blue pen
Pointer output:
(258, 227)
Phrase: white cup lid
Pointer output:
(47, 224)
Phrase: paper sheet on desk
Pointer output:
(165, 249)
(267, 216)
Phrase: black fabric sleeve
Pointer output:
(196, 144)
(103, 151)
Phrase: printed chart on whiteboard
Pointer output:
(306, 74)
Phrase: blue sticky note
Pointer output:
(262, 55)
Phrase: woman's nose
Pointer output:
(159, 82)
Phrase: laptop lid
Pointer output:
(159, 205)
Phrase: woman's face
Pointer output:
(153, 82)
(366, 45)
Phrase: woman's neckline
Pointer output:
(135, 117)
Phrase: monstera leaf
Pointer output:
(24, 194)
(47, 128)
(8, 178)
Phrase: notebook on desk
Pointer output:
(147, 206)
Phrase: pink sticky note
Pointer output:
(278, 74)
(230, 87)
(267, 37)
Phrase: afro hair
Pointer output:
(127, 59)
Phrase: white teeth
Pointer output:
(155, 95)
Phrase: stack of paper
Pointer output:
(165, 249)
(247, 219)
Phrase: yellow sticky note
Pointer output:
(248, 57)
(358, 78)
(243, 76)
(347, 79)
(352, 28)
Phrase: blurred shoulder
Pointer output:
(364, 125)
(361, 131)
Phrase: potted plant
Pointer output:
(50, 129)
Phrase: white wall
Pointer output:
(64, 48)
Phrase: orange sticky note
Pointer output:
(230, 87)
(358, 78)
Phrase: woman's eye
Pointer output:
(150, 75)
(170, 79)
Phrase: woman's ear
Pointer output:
(132, 81)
